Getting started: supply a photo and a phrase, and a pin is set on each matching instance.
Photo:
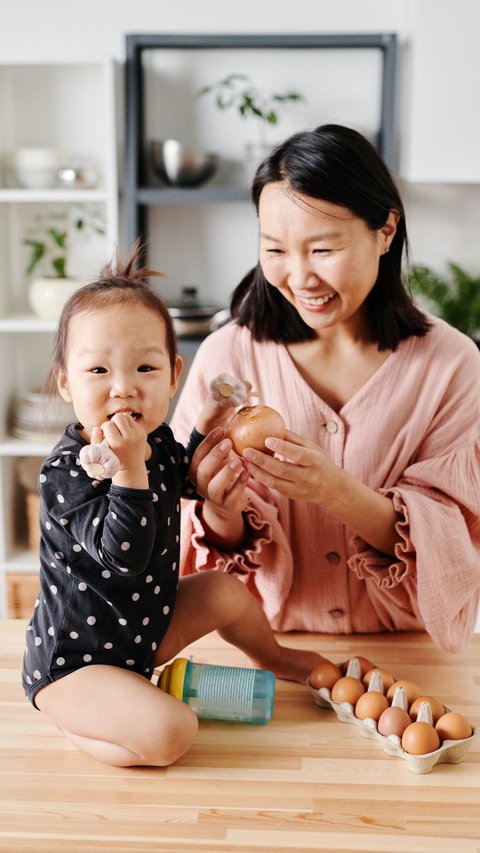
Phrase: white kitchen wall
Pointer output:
(439, 75)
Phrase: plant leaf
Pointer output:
(58, 265)
(37, 252)
(58, 237)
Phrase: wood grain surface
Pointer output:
(304, 782)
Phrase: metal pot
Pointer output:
(193, 318)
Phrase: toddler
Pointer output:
(111, 606)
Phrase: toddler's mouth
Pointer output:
(135, 415)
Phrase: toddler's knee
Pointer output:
(174, 740)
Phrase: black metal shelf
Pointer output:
(138, 198)
(199, 195)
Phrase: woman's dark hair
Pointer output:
(335, 164)
(123, 281)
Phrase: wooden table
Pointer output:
(303, 782)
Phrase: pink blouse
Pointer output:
(412, 432)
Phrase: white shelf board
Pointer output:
(20, 447)
(24, 196)
(26, 323)
(22, 560)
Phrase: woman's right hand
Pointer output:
(220, 476)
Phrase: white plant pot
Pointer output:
(47, 296)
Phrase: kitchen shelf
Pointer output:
(199, 195)
(69, 107)
(138, 197)
(26, 323)
(59, 196)
(23, 447)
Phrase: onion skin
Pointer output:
(252, 425)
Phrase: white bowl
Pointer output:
(35, 168)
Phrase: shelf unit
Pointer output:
(70, 107)
(138, 195)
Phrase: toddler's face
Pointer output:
(117, 361)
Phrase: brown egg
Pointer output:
(387, 677)
(365, 664)
(436, 707)
(347, 689)
(325, 675)
(452, 726)
(420, 738)
(371, 705)
(412, 692)
(393, 721)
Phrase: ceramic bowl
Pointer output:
(35, 168)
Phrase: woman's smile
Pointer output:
(316, 302)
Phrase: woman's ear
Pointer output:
(387, 232)
(62, 385)
(176, 373)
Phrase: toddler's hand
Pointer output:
(98, 460)
(226, 392)
(127, 439)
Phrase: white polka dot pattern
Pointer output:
(109, 560)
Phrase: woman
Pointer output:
(368, 518)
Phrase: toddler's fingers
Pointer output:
(97, 435)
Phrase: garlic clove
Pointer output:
(99, 462)
(227, 390)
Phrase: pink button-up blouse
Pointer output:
(412, 432)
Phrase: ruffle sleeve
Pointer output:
(266, 547)
(437, 570)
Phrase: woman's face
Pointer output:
(320, 256)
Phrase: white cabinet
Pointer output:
(69, 107)
(441, 71)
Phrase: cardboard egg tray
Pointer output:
(450, 752)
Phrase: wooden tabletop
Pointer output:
(305, 781)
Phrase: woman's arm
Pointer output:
(307, 473)
(221, 478)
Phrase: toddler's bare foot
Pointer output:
(293, 664)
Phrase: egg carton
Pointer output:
(450, 752)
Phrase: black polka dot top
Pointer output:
(109, 561)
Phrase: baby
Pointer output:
(111, 606)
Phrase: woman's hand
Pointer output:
(305, 472)
(308, 473)
(221, 478)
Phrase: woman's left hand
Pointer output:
(306, 471)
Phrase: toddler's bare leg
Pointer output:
(211, 601)
(119, 717)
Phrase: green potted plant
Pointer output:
(236, 91)
(455, 297)
(50, 239)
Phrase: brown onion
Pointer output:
(252, 425)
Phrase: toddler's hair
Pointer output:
(121, 281)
